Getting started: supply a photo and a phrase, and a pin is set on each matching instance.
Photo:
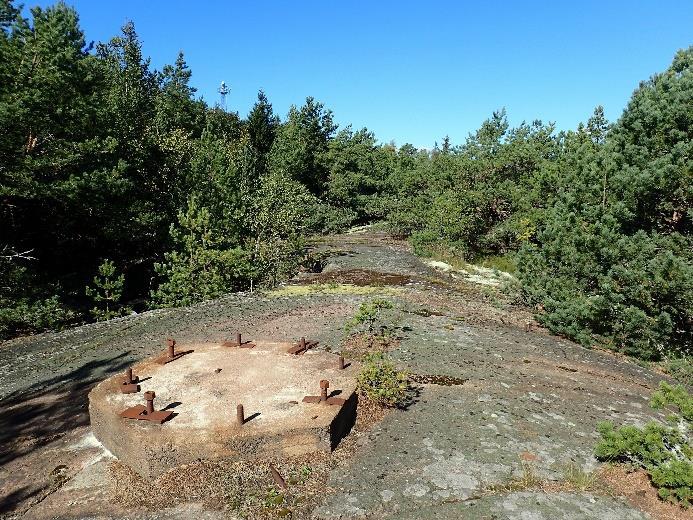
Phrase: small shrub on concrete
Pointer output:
(382, 382)
(665, 451)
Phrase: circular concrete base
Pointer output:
(203, 388)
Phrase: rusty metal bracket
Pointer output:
(238, 342)
(322, 398)
(147, 413)
(171, 354)
(129, 384)
(302, 347)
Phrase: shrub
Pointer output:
(32, 316)
(201, 266)
(382, 382)
(663, 450)
(369, 313)
(330, 219)
(681, 369)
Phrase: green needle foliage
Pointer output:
(103, 156)
(665, 451)
(200, 267)
(382, 382)
(368, 315)
(107, 292)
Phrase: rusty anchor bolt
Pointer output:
(302, 346)
(324, 385)
(277, 477)
(147, 413)
(340, 363)
(240, 416)
(149, 397)
(238, 342)
(322, 398)
(171, 343)
(129, 384)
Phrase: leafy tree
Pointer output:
(358, 174)
(174, 103)
(280, 221)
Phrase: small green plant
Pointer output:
(369, 313)
(106, 293)
(300, 476)
(272, 498)
(380, 380)
(529, 478)
(663, 450)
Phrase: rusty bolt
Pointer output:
(238, 338)
(340, 363)
(128, 376)
(149, 397)
(324, 385)
(240, 416)
(277, 477)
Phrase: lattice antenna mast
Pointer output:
(223, 90)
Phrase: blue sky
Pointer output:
(411, 71)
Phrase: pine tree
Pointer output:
(262, 125)
(107, 292)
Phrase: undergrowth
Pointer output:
(382, 382)
(368, 315)
(663, 450)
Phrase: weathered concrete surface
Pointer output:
(203, 387)
(527, 397)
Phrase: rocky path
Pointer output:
(523, 405)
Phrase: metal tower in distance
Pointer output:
(223, 90)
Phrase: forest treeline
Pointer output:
(116, 177)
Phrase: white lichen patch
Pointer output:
(462, 477)
(473, 273)
(416, 490)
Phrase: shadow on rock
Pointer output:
(44, 412)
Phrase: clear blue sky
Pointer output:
(411, 71)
